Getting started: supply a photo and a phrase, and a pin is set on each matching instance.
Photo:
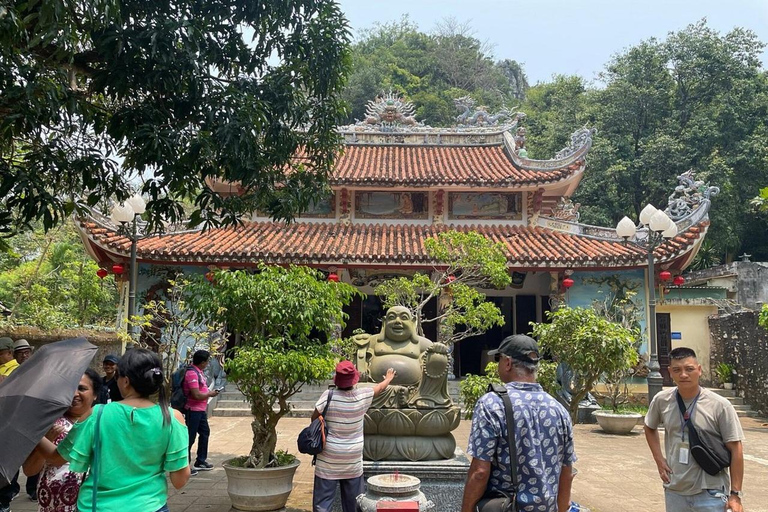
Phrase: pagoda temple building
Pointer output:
(398, 182)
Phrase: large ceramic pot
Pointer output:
(617, 423)
(260, 489)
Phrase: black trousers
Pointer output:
(197, 423)
(7, 492)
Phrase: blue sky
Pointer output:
(566, 36)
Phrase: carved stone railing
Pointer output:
(698, 215)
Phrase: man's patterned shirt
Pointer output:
(543, 439)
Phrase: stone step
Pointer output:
(727, 393)
(736, 400)
(232, 402)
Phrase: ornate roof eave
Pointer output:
(366, 245)
(692, 226)
(572, 155)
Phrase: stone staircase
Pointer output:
(232, 403)
(742, 410)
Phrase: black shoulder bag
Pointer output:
(500, 501)
(312, 439)
(709, 452)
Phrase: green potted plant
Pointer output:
(724, 372)
(590, 344)
(283, 315)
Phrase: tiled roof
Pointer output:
(422, 165)
(373, 244)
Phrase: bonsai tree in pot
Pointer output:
(589, 343)
(284, 316)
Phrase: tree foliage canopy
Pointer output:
(431, 70)
(283, 315)
(464, 262)
(48, 281)
(97, 95)
(697, 99)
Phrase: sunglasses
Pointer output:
(497, 357)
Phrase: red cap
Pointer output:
(346, 375)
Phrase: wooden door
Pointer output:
(664, 342)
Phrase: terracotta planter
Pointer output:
(260, 489)
(617, 423)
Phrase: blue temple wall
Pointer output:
(589, 287)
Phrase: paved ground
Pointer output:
(616, 473)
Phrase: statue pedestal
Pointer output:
(442, 481)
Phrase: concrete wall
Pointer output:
(106, 342)
(746, 281)
(691, 321)
(739, 341)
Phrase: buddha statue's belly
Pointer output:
(408, 368)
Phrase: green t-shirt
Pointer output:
(136, 451)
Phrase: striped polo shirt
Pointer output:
(342, 456)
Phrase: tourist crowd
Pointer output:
(117, 441)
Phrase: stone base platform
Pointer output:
(442, 481)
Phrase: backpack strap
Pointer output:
(501, 390)
(325, 425)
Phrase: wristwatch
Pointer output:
(738, 494)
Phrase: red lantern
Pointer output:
(333, 277)
(665, 275)
(102, 273)
(209, 276)
(117, 269)
(451, 278)
(567, 282)
(679, 280)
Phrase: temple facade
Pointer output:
(398, 182)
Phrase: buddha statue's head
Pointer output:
(399, 324)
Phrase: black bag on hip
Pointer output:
(497, 501)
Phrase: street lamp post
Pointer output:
(658, 227)
(123, 214)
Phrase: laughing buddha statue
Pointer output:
(413, 417)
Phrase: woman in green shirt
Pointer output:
(140, 442)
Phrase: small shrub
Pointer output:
(724, 372)
(475, 386)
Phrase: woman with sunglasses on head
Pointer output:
(58, 485)
(139, 442)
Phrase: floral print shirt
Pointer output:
(58, 487)
(543, 444)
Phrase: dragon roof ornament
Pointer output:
(579, 139)
(688, 195)
(472, 116)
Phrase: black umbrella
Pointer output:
(35, 395)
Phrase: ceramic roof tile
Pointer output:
(367, 244)
(414, 165)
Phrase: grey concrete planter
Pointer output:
(260, 490)
(617, 423)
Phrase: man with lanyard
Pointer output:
(543, 435)
(687, 487)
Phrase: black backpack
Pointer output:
(312, 439)
(178, 397)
